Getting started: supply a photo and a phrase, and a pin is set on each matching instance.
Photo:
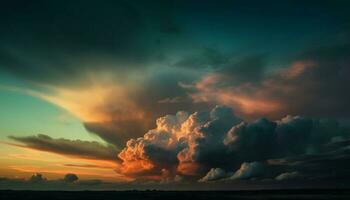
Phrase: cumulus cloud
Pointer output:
(249, 170)
(288, 176)
(207, 144)
(178, 143)
(78, 148)
(214, 174)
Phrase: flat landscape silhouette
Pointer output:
(178, 195)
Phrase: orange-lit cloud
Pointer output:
(190, 146)
(106, 106)
(296, 69)
(246, 103)
(100, 101)
(270, 97)
(171, 147)
(97, 103)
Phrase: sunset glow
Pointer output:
(174, 95)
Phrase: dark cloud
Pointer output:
(86, 166)
(254, 141)
(58, 42)
(117, 132)
(321, 167)
(329, 165)
(37, 178)
(78, 148)
(70, 178)
(317, 90)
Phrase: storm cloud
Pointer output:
(219, 144)
(51, 42)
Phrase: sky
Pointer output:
(174, 94)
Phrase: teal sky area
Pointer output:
(24, 115)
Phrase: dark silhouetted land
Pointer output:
(178, 195)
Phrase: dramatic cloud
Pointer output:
(137, 58)
(313, 84)
(118, 66)
(178, 143)
(96, 71)
(317, 167)
(218, 143)
(104, 104)
(104, 108)
(77, 148)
